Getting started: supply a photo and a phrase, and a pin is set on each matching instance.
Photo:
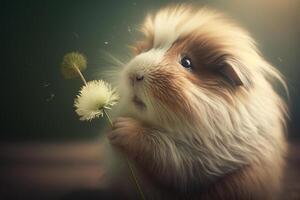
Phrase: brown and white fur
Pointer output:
(215, 131)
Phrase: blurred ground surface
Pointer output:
(73, 171)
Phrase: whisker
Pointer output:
(108, 57)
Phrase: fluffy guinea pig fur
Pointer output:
(198, 115)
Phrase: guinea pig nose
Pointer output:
(139, 77)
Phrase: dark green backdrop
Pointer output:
(37, 101)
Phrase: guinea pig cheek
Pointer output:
(168, 89)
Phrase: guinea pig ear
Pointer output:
(229, 73)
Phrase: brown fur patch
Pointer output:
(205, 66)
(167, 88)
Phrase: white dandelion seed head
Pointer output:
(93, 98)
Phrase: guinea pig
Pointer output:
(198, 115)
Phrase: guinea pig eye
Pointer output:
(186, 63)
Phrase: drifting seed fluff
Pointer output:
(93, 98)
(71, 62)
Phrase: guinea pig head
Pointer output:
(191, 66)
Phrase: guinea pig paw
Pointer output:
(124, 130)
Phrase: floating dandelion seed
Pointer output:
(94, 98)
(72, 65)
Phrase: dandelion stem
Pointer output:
(129, 165)
(109, 119)
(135, 180)
(80, 74)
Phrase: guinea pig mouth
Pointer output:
(138, 102)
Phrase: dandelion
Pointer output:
(94, 98)
(72, 65)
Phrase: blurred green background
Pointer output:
(37, 103)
